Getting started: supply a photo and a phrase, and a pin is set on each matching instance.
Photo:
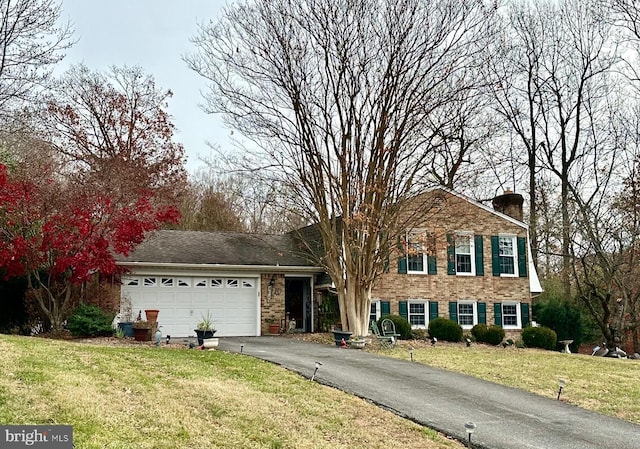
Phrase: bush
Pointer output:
(564, 317)
(492, 335)
(445, 329)
(539, 337)
(403, 327)
(88, 320)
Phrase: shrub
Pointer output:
(492, 335)
(564, 317)
(445, 329)
(88, 320)
(539, 337)
(403, 327)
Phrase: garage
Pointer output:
(232, 302)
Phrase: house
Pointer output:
(462, 260)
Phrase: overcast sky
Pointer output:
(152, 34)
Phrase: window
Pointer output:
(510, 315)
(233, 283)
(150, 282)
(417, 312)
(167, 282)
(199, 282)
(467, 314)
(131, 282)
(415, 254)
(417, 246)
(464, 250)
(507, 254)
(374, 312)
(247, 283)
(216, 283)
(184, 282)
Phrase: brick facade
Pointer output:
(455, 214)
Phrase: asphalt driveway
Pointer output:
(506, 418)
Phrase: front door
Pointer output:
(298, 308)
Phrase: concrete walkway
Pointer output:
(506, 418)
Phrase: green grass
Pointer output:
(609, 386)
(119, 397)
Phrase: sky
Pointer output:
(152, 34)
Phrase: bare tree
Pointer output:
(554, 94)
(335, 94)
(32, 40)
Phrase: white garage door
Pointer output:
(232, 302)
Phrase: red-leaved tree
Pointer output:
(59, 235)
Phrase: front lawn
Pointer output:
(119, 397)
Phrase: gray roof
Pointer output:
(226, 248)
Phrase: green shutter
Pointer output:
(482, 313)
(433, 310)
(402, 308)
(402, 265)
(479, 256)
(385, 308)
(497, 313)
(451, 254)
(495, 255)
(524, 314)
(386, 264)
(432, 267)
(522, 257)
(453, 311)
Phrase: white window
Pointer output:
(184, 282)
(216, 283)
(418, 314)
(166, 282)
(418, 244)
(465, 254)
(374, 312)
(200, 282)
(511, 315)
(150, 282)
(508, 254)
(247, 283)
(132, 282)
(233, 283)
(467, 314)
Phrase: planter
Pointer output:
(358, 344)
(152, 315)
(126, 327)
(274, 329)
(201, 334)
(210, 343)
(338, 335)
(141, 334)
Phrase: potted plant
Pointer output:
(357, 342)
(274, 326)
(205, 329)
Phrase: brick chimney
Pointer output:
(509, 204)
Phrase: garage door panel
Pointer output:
(232, 303)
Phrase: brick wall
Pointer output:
(448, 215)
(271, 300)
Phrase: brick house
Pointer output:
(462, 260)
